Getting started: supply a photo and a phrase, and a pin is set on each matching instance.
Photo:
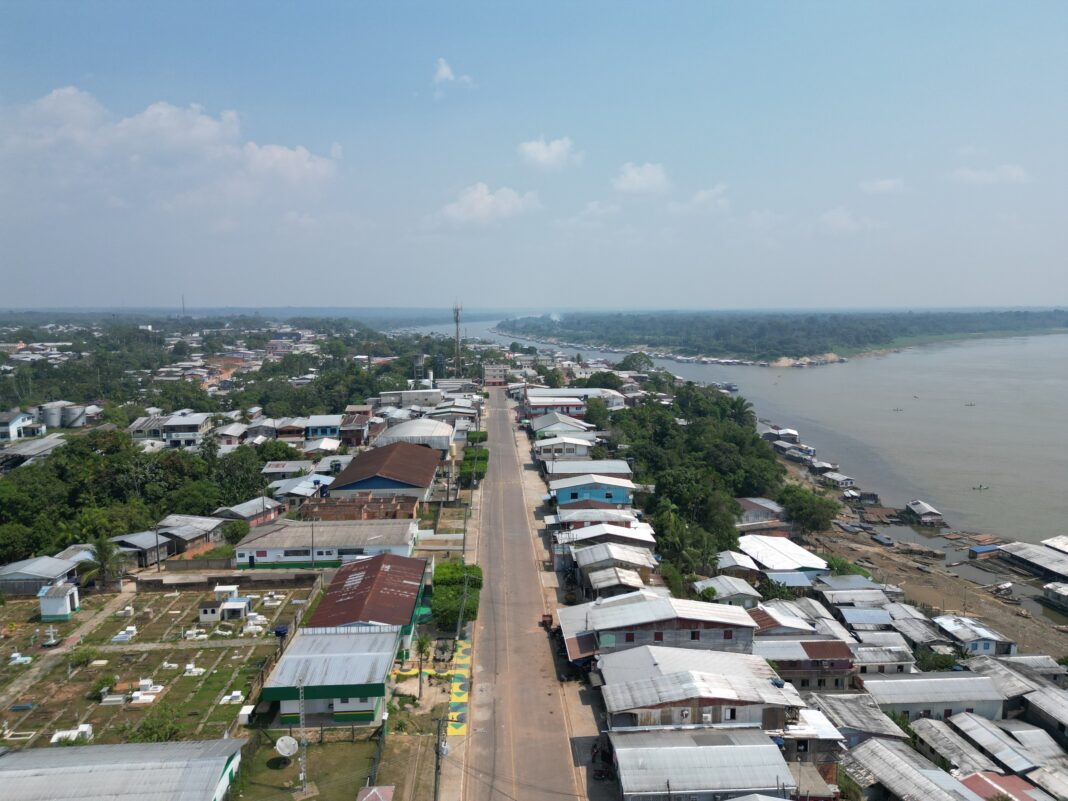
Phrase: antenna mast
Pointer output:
(457, 309)
(303, 738)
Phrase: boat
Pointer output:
(882, 539)
(1061, 629)
(969, 404)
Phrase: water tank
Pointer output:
(52, 416)
(73, 416)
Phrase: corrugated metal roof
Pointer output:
(414, 465)
(659, 660)
(613, 552)
(770, 615)
(854, 616)
(615, 577)
(990, 785)
(994, 742)
(378, 589)
(698, 760)
(968, 629)
(958, 752)
(590, 478)
(903, 772)
(726, 586)
(857, 711)
(608, 467)
(1042, 748)
(728, 559)
(1011, 682)
(687, 685)
(339, 658)
(779, 553)
(642, 532)
(38, 567)
(331, 533)
(1050, 701)
(1053, 780)
(175, 771)
(908, 688)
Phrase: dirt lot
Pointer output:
(942, 590)
(408, 764)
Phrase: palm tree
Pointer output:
(741, 412)
(106, 561)
(422, 647)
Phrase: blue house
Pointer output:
(398, 469)
(592, 488)
(323, 425)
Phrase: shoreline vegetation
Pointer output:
(775, 339)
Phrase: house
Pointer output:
(539, 407)
(561, 448)
(992, 786)
(550, 425)
(890, 769)
(291, 430)
(935, 695)
(191, 531)
(1048, 709)
(355, 429)
(781, 619)
(292, 492)
(938, 741)
(58, 601)
(758, 510)
(13, 425)
(230, 434)
(287, 469)
(1013, 680)
(605, 490)
(646, 618)
(656, 686)
(318, 426)
(27, 576)
(185, 429)
(612, 581)
(375, 590)
(189, 770)
(972, 637)
(342, 674)
(300, 543)
(881, 659)
(577, 517)
(495, 375)
(923, 513)
(693, 763)
(729, 590)
(612, 399)
(431, 433)
(255, 512)
(732, 563)
(920, 633)
(779, 553)
(809, 663)
(455, 412)
(998, 748)
(833, 479)
(611, 468)
(601, 556)
(323, 447)
(640, 535)
(146, 548)
(397, 469)
(856, 716)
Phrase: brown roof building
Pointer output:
(380, 590)
(398, 469)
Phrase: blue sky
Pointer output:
(674, 155)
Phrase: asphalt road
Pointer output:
(518, 742)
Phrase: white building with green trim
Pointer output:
(292, 544)
(344, 672)
(58, 601)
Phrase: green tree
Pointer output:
(234, 531)
(604, 380)
(597, 413)
(807, 510)
(638, 362)
(195, 498)
(105, 563)
(159, 725)
(275, 450)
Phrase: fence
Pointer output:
(179, 565)
(268, 579)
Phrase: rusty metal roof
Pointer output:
(379, 589)
(410, 464)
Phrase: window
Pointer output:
(882, 668)
(986, 646)
(730, 713)
(344, 700)
(240, 554)
(804, 682)
(728, 634)
(900, 668)
(821, 682)
(320, 553)
(297, 552)
(363, 700)
(574, 496)
(802, 746)
(658, 636)
(608, 495)
(926, 713)
(863, 668)
(695, 635)
(628, 637)
(837, 682)
(969, 709)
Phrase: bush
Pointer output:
(80, 657)
(234, 531)
(477, 437)
(449, 574)
(449, 590)
(102, 683)
(843, 567)
(673, 579)
(159, 725)
(930, 661)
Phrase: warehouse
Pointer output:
(291, 543)
(935, 695)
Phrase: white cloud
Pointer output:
(478, 205)
(445, 75)
(713, 199)
(642, 179)
(1002, 174)
(550, 155)
(337, 152)
(841, 220)
(882, 186)
(71, 150)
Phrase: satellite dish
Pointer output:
(286, 746)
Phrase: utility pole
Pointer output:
(303, 738)
(457, 309)
(440, 751)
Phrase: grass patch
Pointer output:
(337, 769)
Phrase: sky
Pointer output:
(554, 154)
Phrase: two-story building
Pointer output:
(647, 618)
(13, 425)
(185, 429)
(809, 663)
(318, 426)
(974, 638)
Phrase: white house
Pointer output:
(58, 601)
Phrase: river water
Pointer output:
(937, 447)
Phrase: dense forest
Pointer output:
(772, 335)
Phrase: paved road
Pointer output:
(518, 745)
